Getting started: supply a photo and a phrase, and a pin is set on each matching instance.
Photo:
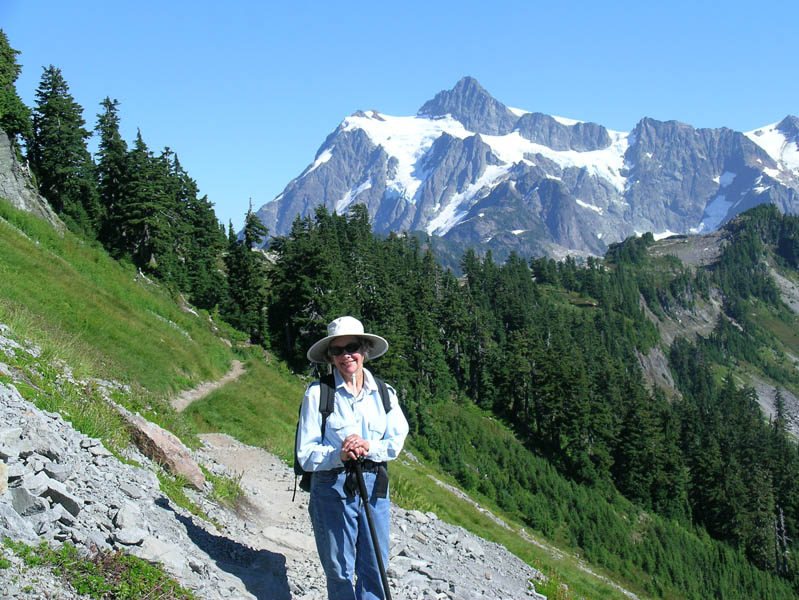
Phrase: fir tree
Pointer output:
(111, 174)
(201, 242)
(59, 156)
(146, 212)
(246, 273)
(14, 115)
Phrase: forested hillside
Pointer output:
(550, 348)
(522, 379)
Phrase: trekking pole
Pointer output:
(365, 498)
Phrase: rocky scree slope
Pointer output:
(61, 486)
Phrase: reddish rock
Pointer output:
(163, 447)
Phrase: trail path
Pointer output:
(280, 560)
(186, 397)
(273, 554)
(267, 545)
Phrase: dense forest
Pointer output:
(549, 349)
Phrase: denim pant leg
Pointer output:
(335, 524)
(369, 585)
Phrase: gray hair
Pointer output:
(366, 347)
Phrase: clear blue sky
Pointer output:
(246, 92)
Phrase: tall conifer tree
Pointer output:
(59, 156)
(14, 115)
(146, 209)
(111, 173)
(247, 279)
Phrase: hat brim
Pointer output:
(318, 352)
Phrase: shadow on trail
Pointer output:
(262, 572)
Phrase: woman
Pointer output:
(358, 427)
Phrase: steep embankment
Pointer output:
(702, 252)
(61, 485)
(109, 323)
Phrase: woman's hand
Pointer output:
(354, 447)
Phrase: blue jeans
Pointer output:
(343, 539)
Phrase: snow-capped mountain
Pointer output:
(478, 173)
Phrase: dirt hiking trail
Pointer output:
(186, 397)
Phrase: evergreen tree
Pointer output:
(59, 156)
(111, 174)
(146, 212)
(246, 273)
(14, 115)
(302, 281)
(201, 245)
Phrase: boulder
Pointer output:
(163, 447)
(14, 526)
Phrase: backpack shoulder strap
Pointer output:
(383, 389)
(327, 395)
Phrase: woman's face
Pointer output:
(346, 363)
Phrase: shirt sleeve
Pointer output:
(389, 447)
(313, 454)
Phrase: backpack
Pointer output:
(327, 393)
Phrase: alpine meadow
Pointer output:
(632, 418)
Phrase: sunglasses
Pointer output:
(350, 348)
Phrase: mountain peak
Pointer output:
(473, 106)
(789, 127)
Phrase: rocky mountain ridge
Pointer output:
(702, 251)
(480, 174)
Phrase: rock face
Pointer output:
(470, 104)
(479, 174)
(16, 186)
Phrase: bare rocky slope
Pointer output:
(16, 185)
(698, 251)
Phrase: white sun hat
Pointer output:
(339, 328)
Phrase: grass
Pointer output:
(260, 409)
(99, 314)
(86, 310)
(102, 575)
(226, 490)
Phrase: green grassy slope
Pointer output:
(105, 318)
(82, 307)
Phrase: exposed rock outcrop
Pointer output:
(16, 185)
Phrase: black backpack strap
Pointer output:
(383, 389)
(327, 398)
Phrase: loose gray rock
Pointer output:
(65, 487)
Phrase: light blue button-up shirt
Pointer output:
(362, 414)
